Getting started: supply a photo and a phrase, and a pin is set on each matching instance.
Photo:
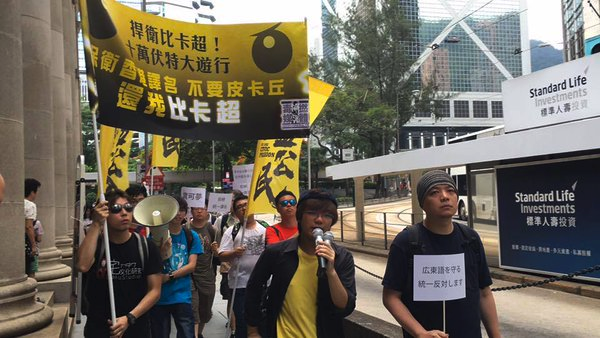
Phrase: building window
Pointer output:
(497, 109)
(461, 109)
(480, 109)
(443, 109)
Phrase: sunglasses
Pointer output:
(285, 203)
(116, 208)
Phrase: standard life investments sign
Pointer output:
(558, 94)
(218, 82)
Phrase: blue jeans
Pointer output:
(160, 320)
(241, 330)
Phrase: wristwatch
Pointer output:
(171, 275)
(130, 319)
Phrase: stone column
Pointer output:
(70, 47)
(63, 241)
(359, 206)
(415, 177)
(20, 313)
(39, 134)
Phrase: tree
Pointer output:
(374, 95)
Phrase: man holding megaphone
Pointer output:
(135, 272)
(312, 287)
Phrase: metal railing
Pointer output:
(378, 228)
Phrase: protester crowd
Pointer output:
(284, 280)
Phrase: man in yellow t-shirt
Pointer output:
(303, 300)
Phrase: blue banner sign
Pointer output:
(549, 217)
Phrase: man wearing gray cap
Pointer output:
(438, 235)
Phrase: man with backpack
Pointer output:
(438, 235)
(241, 247)
(135, 272)
(176, 295)
(203, 277)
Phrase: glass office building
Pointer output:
(581, 28)
(467, 48)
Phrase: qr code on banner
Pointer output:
(294, 114)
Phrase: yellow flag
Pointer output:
(165, 151)
(318, 94)
(277, 162)
(115, 146)
(275, 169)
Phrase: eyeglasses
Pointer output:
(116, 208)
(324, 214)
(241, 206)
(285, 203)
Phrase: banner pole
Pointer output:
(81, 234)
(151, 181)
(213, 167)
(309, 173)
(111, 292)
(237, 273)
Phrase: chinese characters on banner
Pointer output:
(219, 203)
(439, 277)
(195, 81)
(165, 151)
(275, 169)
(242, 177)
(115, 145)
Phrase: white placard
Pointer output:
(558, 94)
(195, 197)
(348, 154)
(219, 203)
(242, 177)
(439, 277)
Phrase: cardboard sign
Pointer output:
(219, 203)
(439, 277)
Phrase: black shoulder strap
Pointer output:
(224, 220)
(263, 223)
(416, 246)
(189, 238)
(277, 232)
(236, 229)
(211, 232)
(142, 248)
(470, 237)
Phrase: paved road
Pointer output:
(531, 312)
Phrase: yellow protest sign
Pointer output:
(318, 95)
(115, 146)
(165, 151)
(275, 169)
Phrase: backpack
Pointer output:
(142, 250)
(417, 247)
(188, 237)
(236, 228)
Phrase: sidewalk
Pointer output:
(214, 329)
(574, 287)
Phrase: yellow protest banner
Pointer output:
(319, 93)
(165, 151)
(115, 146)
(277, 162)
(196, 81)
(275, 169)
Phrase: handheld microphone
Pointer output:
(318, 235)
(328, 237)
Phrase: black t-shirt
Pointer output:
(462, 315)
(129, 282)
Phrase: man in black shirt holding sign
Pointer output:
(136, 267)
(438, 235)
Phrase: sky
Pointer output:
(544, 16)
(545, 21)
